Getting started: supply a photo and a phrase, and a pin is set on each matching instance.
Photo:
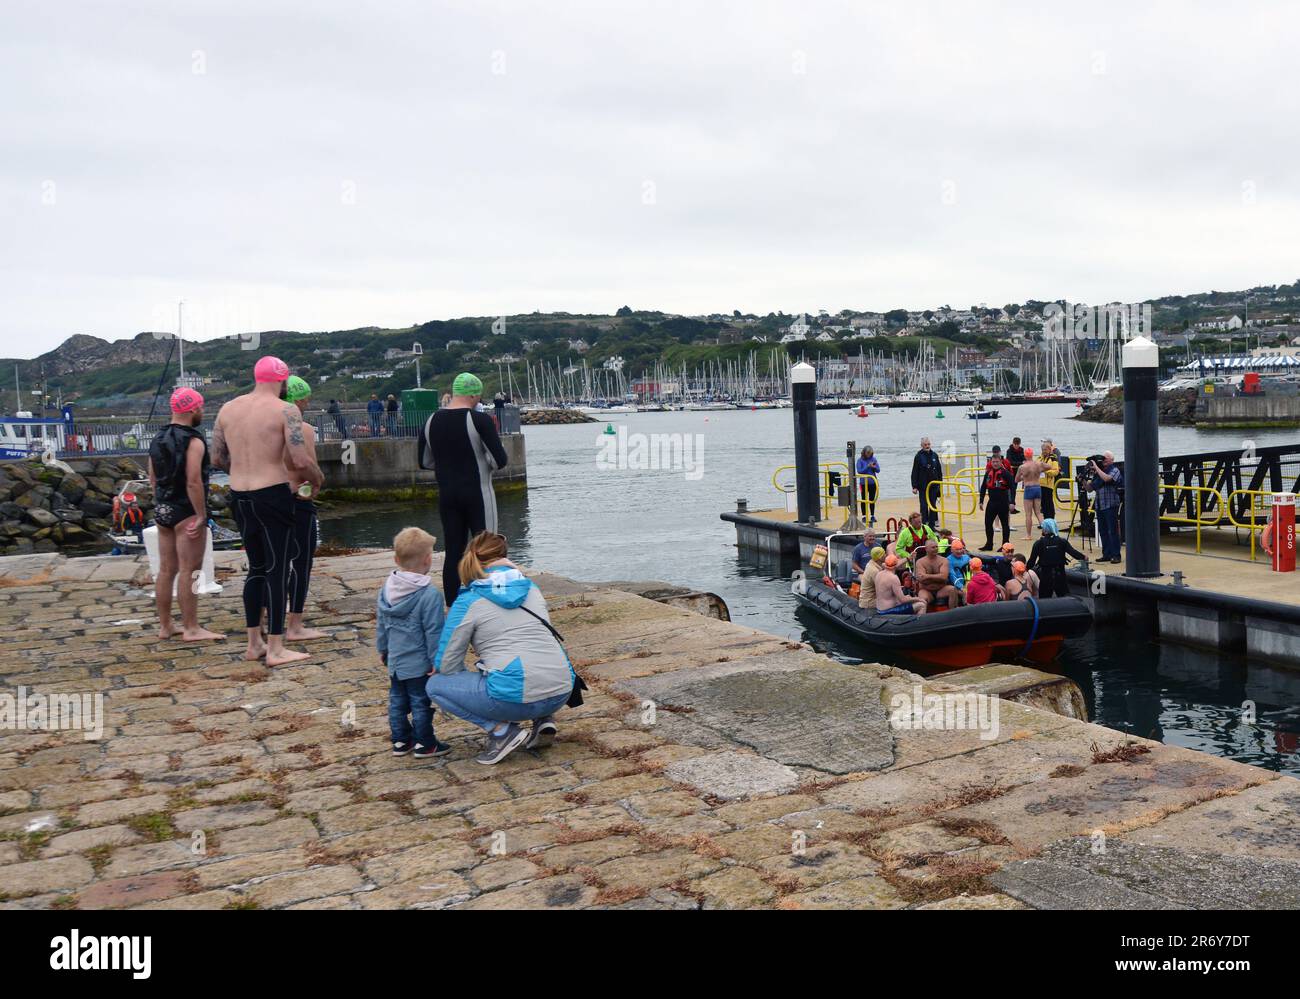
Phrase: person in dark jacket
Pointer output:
(926, 468)
(1048, 557)
(375, 409)
(391, 407)
(996, 490)
(336, 411)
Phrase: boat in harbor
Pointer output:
(958, 638)
(23, 435)
(980, 413)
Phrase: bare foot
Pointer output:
(286, 656)
(166, 630)
(202, 635)
(304, 635)
(256, 650)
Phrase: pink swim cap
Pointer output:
(270, 369)
(186, 400)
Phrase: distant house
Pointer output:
(363, 375)
(581, 346)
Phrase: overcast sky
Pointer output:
(323, 165)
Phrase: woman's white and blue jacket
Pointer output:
(523, 661)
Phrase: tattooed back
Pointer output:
(254, 438)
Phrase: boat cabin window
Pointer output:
(4, 431)
(37, 430)
(20, 430)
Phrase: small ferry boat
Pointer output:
(964, 636)
(980, 413)
(23, 435)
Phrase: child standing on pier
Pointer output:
(410, 617)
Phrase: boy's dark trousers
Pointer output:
(408, 697)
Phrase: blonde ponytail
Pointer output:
(484, 547)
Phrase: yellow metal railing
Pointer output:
(1197, 504)
(959, 488)
(1253, 525)
(824, 491)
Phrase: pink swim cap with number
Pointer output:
(186, 400)
(270, 369)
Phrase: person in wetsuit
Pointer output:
(258, 439)
(464, 449)
(303, 550)
(1048, 557)
(996, 490)
(179, 471)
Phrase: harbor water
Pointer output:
(591, 512)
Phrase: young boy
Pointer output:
(410, 616)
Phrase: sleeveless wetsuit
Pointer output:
(463, 447)
(167, 455)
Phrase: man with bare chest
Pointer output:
(932, 573)
(259, 440)
(1030, 473)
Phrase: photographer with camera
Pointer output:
(1104, 483)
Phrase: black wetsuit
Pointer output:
(266, 519)
(996, 489)
(304, 553)
(463, 447)
(167, 455)
(1048, 557)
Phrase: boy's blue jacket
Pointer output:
(409, 631)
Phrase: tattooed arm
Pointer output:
(220, 457)
(299, 454)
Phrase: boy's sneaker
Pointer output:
(500, 746)
(401, 748)
(542, 734)
(437, 749)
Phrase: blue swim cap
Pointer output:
(1049, 525)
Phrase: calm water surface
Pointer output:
(581, 521)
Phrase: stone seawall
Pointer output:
(44, 508)
(387, 469)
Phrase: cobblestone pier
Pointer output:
(712, 766)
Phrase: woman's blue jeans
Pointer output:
(464, 694)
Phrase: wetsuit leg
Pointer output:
(462, 517)
(265, 519)
(304, 553)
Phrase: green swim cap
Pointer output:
(877, 554)
(466, 384)
(296, 389)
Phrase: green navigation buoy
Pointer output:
(609, 428)
(939, 415)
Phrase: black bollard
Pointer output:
(1141, 459)
(803, 391)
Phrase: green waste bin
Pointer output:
(417, 404)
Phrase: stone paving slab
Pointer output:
(766, 776)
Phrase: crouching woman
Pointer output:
(523, 673)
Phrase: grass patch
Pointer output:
(1123, 753)
(155, 827)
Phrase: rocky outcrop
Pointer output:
(543, 417)
(1177, 409)
(44, 508)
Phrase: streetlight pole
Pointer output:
(180, 334)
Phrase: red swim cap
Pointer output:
(186, 400)
(270, 369)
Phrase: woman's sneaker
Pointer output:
(542, 734)
(401, 748)
(438, 749)
(500, 746)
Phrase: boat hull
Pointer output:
(958, 638)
